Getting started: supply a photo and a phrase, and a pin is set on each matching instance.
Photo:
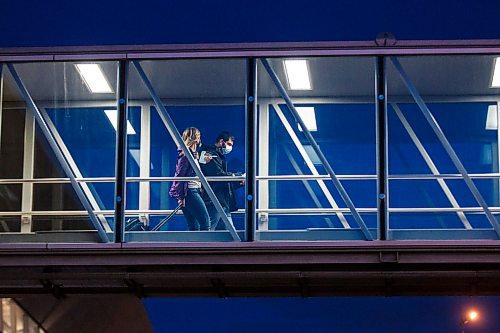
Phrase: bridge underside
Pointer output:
(302, 269)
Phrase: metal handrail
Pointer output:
(280, 211)
(242, 178)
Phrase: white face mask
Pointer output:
(227, 149)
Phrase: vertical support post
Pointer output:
(145, 162)
(28, 168)
(317, 150)
(121, 152)
(250, 144)
(382, 144)
(263, 137)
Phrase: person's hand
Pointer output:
(181, 202)
(242, 183)
(208, 158)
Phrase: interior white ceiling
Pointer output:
(447, 76)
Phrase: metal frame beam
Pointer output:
(382, 147)
(145, 162)
(324, 161)
(28, 169)
(121, 151)
(263, 157)
(174, 133)
(57, 151)
(250, 145)
(430, 163)
(446, 144)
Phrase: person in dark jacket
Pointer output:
(188, 193)
(224, 191)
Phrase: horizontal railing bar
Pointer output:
(241, 178)
(279, 211)
(112, 180)
(374, 210)
(97, 212)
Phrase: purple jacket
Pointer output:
(178, 190)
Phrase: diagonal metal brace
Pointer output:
(318, 151)
(446, 144)
(174, 133)
(57, 151)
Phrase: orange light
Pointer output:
(472, 315)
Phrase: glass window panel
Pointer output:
(10, 197)
(344, 114)
(206, 94)
(456, 90)
(74, 113)
(10, 223)
(12, 142)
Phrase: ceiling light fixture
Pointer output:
(297, 74)
(94, 78)
(495, 82)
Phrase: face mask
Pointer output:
(227, 149)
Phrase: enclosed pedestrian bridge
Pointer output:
(367, 170)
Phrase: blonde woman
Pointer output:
(188, 193)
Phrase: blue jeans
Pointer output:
(195, 211)
(216, 222)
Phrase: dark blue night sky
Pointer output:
(62, 22)
(322, 315)
(92, 22)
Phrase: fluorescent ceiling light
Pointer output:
(111, 114)
(495, 82)
(94, 78)
(297, 74)
(308, 116)
(492, 118)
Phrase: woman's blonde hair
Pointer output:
(190, 136)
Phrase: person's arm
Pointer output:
(238, 183)
(214, 168)
(178, 189)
